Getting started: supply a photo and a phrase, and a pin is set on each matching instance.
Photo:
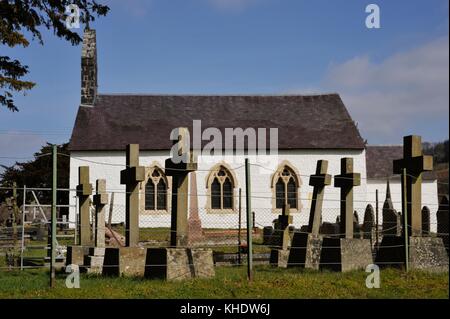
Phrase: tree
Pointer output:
(38, 174)
(20, 17)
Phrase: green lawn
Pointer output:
(230, 282)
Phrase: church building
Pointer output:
(309, 128)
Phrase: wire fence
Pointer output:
(25, 242)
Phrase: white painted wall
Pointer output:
(429, 196)
(108, 165)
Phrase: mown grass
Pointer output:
(230, 282)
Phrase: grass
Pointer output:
(230, 282)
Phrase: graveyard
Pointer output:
(299, 263)
(197, 189)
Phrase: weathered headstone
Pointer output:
(415, 164)
(129, 260)
(425, 221)
(84, 191)
(442, 221)
(368, 223)
(131, 177)
(100, 200)
(425, 253)
(392, 224)
(179, 261)
(346, 253)
(97, 253)
(281, 239)
(306, 247)
(78, 254)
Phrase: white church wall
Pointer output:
(108, 165)
(429, 196)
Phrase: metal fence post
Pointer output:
(22, 248)
(53, 228)
(249, 220)
(405, 218)
(239, 227)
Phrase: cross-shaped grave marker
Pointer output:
(179, 166)
(415, 164)
(131, 177)
(346, 181)
(100, 200)
(84, 190)
(318, 181)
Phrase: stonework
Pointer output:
(77, 255)
(279, 257)
(179, 263)
(124, 261)
(345, 254)
(89, 68)
(427, 253)
(305, 251)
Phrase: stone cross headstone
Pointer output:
(100, 200)
(392, 225)
(281, 237)
(425, 221)
(84, 191)
(415, 164)
(368, 223)
(442, 221)
(346, 181)
(131, 177)
(179, 170)
(318, 181)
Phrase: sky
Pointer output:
(394, 80)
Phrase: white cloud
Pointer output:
(398, 95)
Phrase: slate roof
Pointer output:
(379, 162)
(303, 122)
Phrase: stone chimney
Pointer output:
(89, 68)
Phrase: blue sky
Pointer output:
(394, 80)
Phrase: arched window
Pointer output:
(156, 190)
(285, 184)
(221, 184)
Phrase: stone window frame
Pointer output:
(167, 179)
(298, 182)
(209, 180)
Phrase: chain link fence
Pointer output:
(24, 235)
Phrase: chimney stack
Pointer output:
(89, 68)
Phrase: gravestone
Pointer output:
(425, 253)
(306, 247)
(129, 260)
(179, 261)
(356, 225)
(77, 255)
(392, 223)
(442, 221)
(97, 253)
(280, 239)
(368, 223)
(346, 253)
(195, 231)
(425, 221)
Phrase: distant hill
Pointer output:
(439, 151)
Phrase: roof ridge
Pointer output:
(222, 95)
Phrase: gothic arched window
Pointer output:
(156, 190)
(285, 184)
(221, 184)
